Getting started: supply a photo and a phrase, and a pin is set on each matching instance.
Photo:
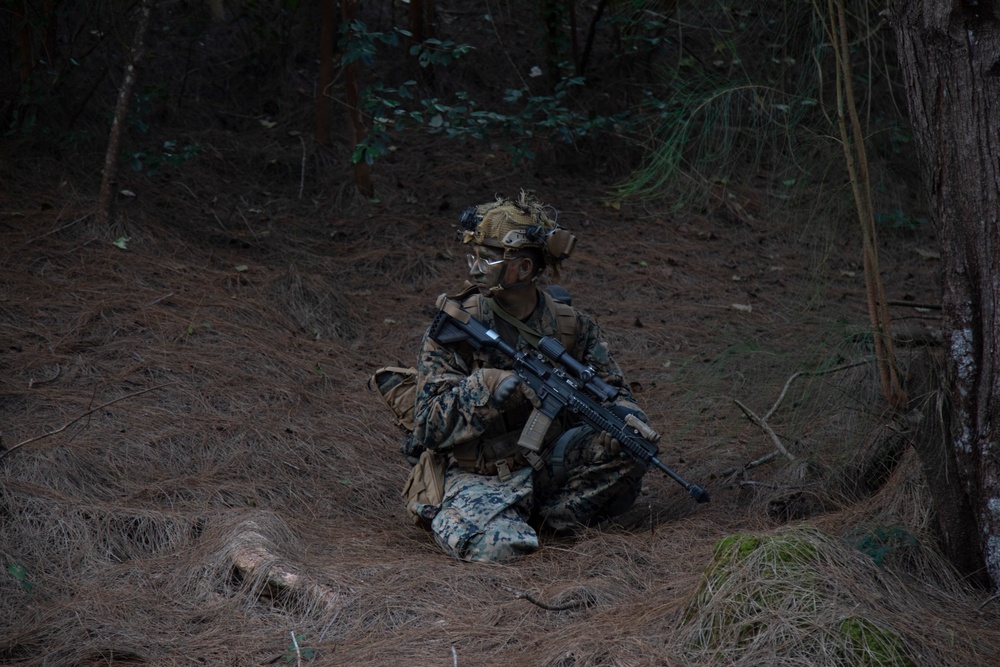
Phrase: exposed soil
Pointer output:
(195, 472)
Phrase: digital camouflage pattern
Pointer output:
(482, 516)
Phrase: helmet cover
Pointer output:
(511, 225)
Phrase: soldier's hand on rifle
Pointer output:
(509, 388)
(506, 388)
(608, 442)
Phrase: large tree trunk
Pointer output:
(949, 52)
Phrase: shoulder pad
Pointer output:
(464, 291)
(567, 321)
(471, 303)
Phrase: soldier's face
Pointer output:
(486, 266)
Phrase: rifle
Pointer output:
(561, 383)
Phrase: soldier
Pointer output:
(470, 407)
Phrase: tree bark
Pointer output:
(949, 53)
(22, 32)
(421, 27)
(105, 206)
(352, 94)
(591, 33)
(955, 519)
(324, 96)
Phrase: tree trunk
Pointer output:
(949, 53)
(591, 33)
(324, 96)
(352, 94)
(25, 46)
(420, 25)
(956, 521)
(105, 206)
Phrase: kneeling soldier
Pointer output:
(471, 407)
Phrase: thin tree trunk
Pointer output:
(419, 25)
(416, 23)
(948, 53)
(324, 97)
(50, 47)
(25, 44)
(852, 139)
(573, 42)
(591, 33)
(352, 89)
(105, 206)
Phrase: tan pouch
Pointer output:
(398, 388)
(424, 489)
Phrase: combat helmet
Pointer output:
(516, 224)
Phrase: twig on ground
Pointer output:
(732, 472)
(776, 487)
(59, 229)
(521, 595)
(762, 421)
(298, 654)
(302, 175)
(32, 382)
(759, 485)
(79, 417)
(989, 600)
(454, 656)
(910, 304)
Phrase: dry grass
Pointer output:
(254, 493)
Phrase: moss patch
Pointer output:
(785, 595)
(868, 645)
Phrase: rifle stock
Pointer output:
(561, 383)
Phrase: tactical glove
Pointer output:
(608, 442)
(508, 388)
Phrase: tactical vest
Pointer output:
(567, 322)
(497, 453)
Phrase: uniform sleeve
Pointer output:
(453, 405)
(597, 353)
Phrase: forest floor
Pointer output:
(195, 472)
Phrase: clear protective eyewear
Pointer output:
(484, 264)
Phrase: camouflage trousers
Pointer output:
(485, 519)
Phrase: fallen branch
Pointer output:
(732, 472)
(752, 484)
(544, 605)
(254, 555)
(762, 421)
(298, 653)
(79, 417)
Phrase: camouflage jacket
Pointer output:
(454, 407)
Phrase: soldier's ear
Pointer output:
(526, 268)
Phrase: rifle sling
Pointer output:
(529, 334)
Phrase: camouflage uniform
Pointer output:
(494, 499)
